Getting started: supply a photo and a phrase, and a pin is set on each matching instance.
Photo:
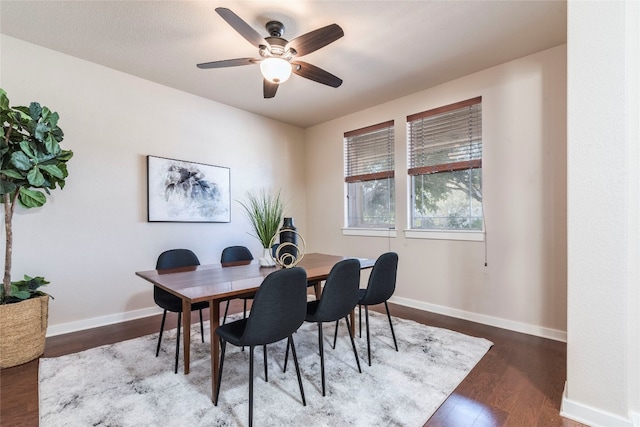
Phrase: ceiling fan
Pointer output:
(278, 57)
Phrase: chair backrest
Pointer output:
(340, 291)
(279, 307)
(173, 258)
(176, 258)
(382, 281)
(235, 255)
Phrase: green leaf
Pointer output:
(41, 130)
(51, 144)
(4, 101)
(53, 120)
(7, 187)
(65, 155)
(26, 147)
(20, 161)
(53, 170)
(35, 111)
(24, 110)
(19, 293)
(31, 198)
(57, 134)
(12, 173)
(27, 288)
(35, 177)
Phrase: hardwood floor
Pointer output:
(519, 382)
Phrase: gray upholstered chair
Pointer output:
(381, 286)
(339, 298)
(234, 256)
(278, 311)
(175, 258)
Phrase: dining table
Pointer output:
(215, 284)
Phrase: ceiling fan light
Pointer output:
(276, 70)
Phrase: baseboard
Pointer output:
(590, 416)
(511, 325)
(96, 322)
(635, 418)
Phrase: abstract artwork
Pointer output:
(181, 191)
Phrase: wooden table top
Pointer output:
(201, 283)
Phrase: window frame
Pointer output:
(415, 169)
(356, 165)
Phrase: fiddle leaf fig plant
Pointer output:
(32, 164)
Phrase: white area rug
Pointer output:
(125, 385)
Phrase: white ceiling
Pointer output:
(390, 48)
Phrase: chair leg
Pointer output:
(201, 326)
(266, 378)
(164, 317)
(286, 357)
(360, 320)
(391, 325)
(335, 334)
(244, 314)
(226, 310)
(321, 348)
(250, 386)
(366, 319)
(178, 341)
(223, 346)
(353, 344)
(295, 361)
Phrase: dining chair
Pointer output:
(278, 310)
(233, 256)
(381, 286)
(339, 298)
(175, 258)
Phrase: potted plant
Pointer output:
(264, 211)
(32, 162)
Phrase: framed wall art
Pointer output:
(182, 191)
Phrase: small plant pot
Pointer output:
(23, 327)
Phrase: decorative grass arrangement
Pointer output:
(264, 211)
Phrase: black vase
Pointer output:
(288, 235)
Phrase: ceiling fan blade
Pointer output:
(316, 39)
(242, 27)
(269, 89)
(316, 74)
(229, 63)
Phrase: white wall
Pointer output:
(524, 187)
(91, 237)
(603, 351)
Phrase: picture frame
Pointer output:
(184, 191)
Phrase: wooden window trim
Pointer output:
(446, 167)
(368, 129)
(444, 109)
(369, 177)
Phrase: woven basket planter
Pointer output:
(23, 327)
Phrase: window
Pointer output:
(369, 171)
(445, 166)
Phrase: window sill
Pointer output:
(471, 236)
(369, 232)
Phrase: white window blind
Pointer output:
(445, 166)
(448, 138)
(369, 153)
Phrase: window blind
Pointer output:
(448, 138)
(369, 153)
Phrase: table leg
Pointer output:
(317, 288)
(352, 319)
(214, 322)
(186, 333)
